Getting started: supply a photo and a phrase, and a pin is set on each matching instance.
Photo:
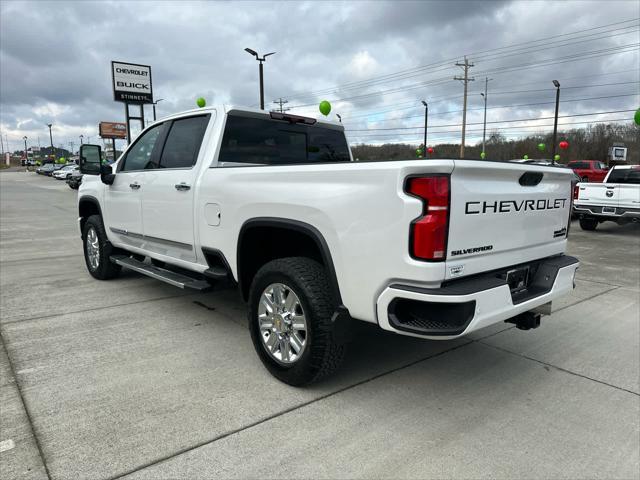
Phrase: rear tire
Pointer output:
(585, 179)
(98, 250)
(588, 224)
(320, 354)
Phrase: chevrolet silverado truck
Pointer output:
(275, 204)
(616, 199)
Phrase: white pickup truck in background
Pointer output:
(274, 203)
(616, 199)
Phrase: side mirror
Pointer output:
(90, 159)
(106, 174)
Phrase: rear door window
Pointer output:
(183, 142)
(258, 141)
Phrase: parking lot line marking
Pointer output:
(104, 307)
(27, 412)
(7, 445)
(284, 412)
(561, 369)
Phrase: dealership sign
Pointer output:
(113, 130)
(131, 83)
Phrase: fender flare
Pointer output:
(298, 226)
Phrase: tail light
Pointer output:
(428, 237)
(576, 191)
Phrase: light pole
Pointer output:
(25, 149)
(555, 123)
(154, 107)
(339, 117)
(255, 54)
(81, 137)
(484, 95)
(53, 151)
(426, 121)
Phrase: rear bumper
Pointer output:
(596, 211)
(463, 306)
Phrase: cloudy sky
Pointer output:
(375, 62)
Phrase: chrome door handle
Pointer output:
(182, 187)
(134, 185)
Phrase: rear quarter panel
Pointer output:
(359, 208)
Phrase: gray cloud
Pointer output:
(55, 60)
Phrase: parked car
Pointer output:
(617, 199)
(46, 169)
(589, 170)
(74, 180)
(433, 249)
(65, 172)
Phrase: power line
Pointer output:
(516, 105)
(413, 103)
(546, 62)
(417, 134)
(492, 122)
(394, 75)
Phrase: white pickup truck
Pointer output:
(616, 199)
(274, 203)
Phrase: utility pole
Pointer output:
(484, 95)
(281, 103)
(426, 122)
(26, 155)
(71, 145)
(466, 65)
(2, 143)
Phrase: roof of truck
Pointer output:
(250, 110)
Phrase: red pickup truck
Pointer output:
(589, 170)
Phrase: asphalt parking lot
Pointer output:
(134, 378)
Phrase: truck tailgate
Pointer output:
(597, 194)
(504, 214)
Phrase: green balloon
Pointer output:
(325, 108)
(483, 155)
(636, 117)
(201, 102)
(418, 151)
(557, 158)
(525, 157)
(541, 147)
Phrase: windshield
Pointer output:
(625, 175)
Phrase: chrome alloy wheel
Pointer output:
(93, 248)
(282, 323)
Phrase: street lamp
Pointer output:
(484, 96)
(81, 137)
(154, 107)
(255, 54)
(555, 123)
(426, 120)
(25, 149)
(53, 151)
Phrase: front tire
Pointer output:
(290, 312)
(98, 250)
(588, 224)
